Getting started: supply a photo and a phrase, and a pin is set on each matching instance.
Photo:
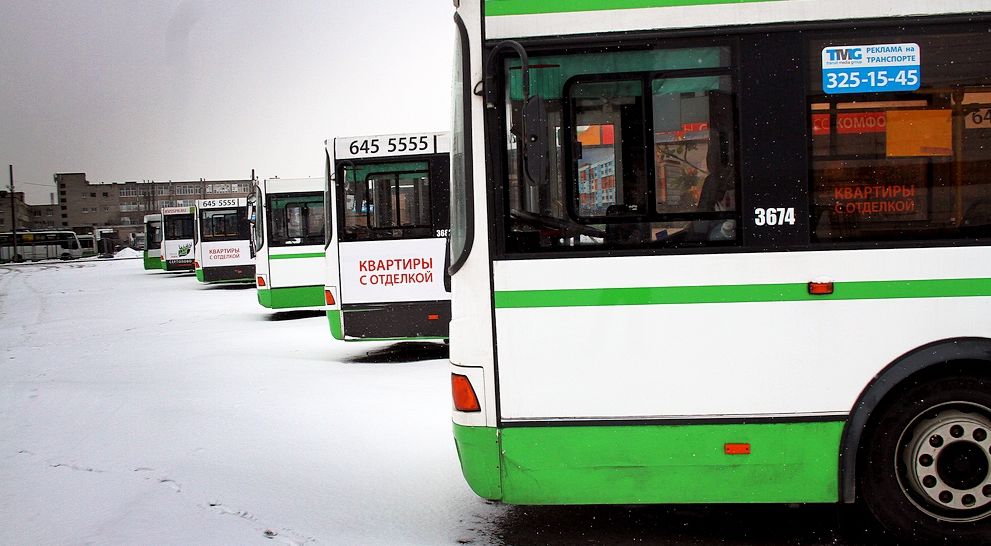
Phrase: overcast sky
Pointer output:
(188, 89)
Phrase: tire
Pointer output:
(65, 256)
(18, 258)
(925, 469)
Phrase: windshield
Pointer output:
(296, 219)
(179, 226)
(386, 201)
(224, 224)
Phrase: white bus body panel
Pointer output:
(729, 359)
(288, 273)
(471, 349)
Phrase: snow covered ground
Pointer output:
(144, 408)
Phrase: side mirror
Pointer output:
(447, 264)
(536, 165)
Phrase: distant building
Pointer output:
(20, 209)
(122, 205)
(44, 217)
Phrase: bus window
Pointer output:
(649, 160)
(386, 201)
(403, 200)
(178, 226)
(257, 221)
(381, 201)
(154, 233)
(296, 219)
(906, 166)
(224, 224)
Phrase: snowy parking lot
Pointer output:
(145, 408)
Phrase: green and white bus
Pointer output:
(39, 245)
(176, 249)
(287, 223)
(725, 252)
(387, 233)
(153, 241)
(222, 243)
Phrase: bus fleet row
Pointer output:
(366, 243)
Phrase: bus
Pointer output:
(725, 252)
(153, 241)
(387, 233)
(222, 249)
(39, 245)
(287, 231)
(176, 248)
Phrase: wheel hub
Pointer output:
(947, 457)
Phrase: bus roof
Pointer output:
(291, 185)
(533, 18)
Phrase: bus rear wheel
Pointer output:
(18, 258)
(925, 474)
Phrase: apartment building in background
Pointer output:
(20, 208)
(83, 205)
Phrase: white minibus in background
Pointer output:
(222, 249)
(39, 245)
(725, 252)
(387, 229)
(177, 238)
(287, 223)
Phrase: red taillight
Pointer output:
(433, 317)
(820, 288)
(261, 281)
(464, 394)
(196, 265)
(328, 296)
(736, 449)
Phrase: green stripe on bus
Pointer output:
(749, 293)
(288, 298)
(199, 275)
(294, 256)
(530, 7)
(334, 318)
(788, 462)
(153, 262)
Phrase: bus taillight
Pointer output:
(464, 394)
(328, 296)
(261, 281)
(433, 317)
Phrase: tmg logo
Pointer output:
(845, 54)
